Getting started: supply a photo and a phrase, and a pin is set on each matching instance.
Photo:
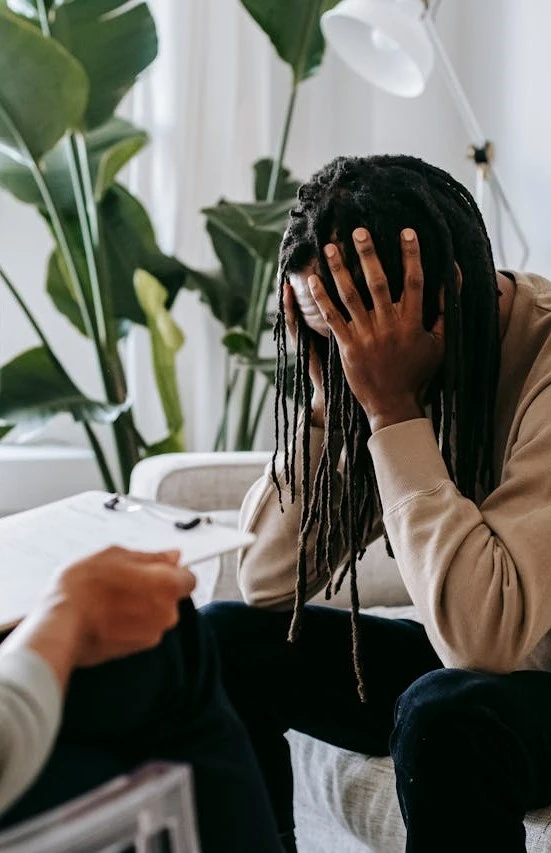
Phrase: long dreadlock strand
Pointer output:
(302, 569)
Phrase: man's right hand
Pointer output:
(118, 602)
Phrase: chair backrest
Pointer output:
(204, 482)
(149, 811)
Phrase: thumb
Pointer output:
(187, 582)
(171, 556)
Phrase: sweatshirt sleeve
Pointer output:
(30, 714)
(479, 577)
(267, 569)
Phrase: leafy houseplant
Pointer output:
(65, 65)
(246, 237)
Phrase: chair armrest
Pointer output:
(128, 811)
(205, 482)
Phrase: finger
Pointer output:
(186, 582)
(346, 288)
(290, 311)
(331, 315)
(412, 297)
(374, 275)
(145, 557)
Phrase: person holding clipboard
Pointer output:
(112, 669)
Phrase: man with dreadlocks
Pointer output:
(430, 424)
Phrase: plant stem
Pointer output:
(103, 332)
(262, 286)
(56, 221)
(258, 415)
(96, 447)
(100, 458)
(278, 162)
(30, 317)
(222, 434)
(242, 435)
(86, 234)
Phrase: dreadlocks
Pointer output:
(386, 194)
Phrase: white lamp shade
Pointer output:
(384, 41)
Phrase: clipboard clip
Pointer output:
(121, 503)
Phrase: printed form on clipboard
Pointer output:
(35, 543)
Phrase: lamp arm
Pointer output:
(478, 138)
(497, 188)
(457, 91)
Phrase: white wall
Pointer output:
(500, 51)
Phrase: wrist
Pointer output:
(59, 634)
(54, 631)
(390, 413)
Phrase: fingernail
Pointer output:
(330, 251)
(360, 234)
(312, 282)
(408, 234)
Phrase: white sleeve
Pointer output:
(30, 715)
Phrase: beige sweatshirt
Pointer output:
(479, 575)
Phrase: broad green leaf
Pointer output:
(33, 390)
(129, 244)
(113, 145)
(228, 292)
(239, 342)
(293, 27)
(258, 226)
(166, 340)
(109, 147)
(287, 187)
(114, 40)
(43, 90)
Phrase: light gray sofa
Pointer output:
(344, 802)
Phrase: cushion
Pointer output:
(347, 802)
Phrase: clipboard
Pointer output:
(36, 543)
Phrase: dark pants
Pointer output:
(472, 751)
(164, 704)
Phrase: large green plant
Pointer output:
(65, 65)
(246, 236)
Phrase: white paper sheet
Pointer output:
(34, 544)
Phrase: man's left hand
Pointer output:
(387, 355)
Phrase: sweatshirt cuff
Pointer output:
(29, 674)
(407, 461)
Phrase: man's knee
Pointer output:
(237, 624)
(224, 617)
(443, 711)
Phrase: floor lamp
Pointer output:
(394, 45)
